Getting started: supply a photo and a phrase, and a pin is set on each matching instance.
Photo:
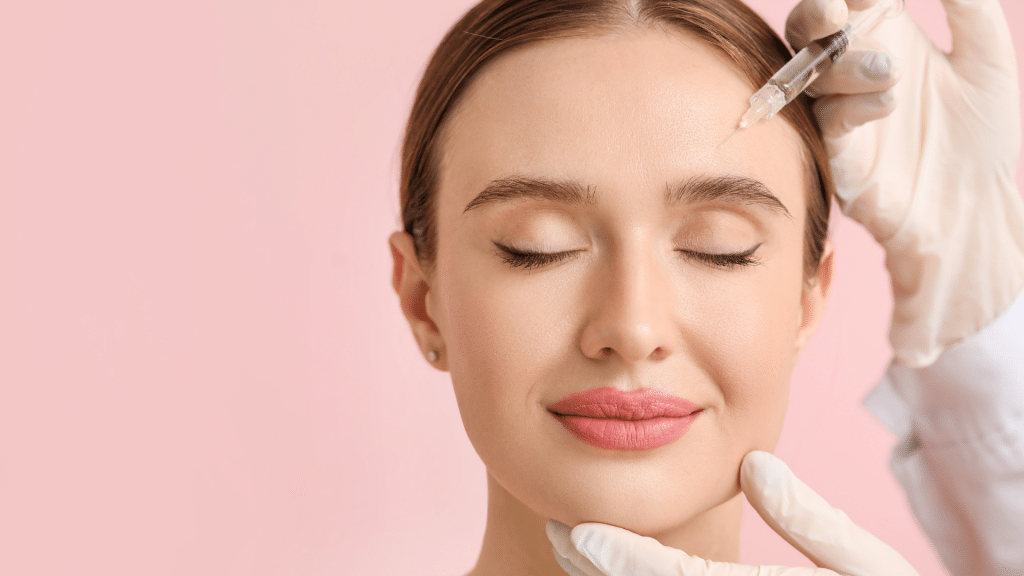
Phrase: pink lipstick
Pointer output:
(614, 419)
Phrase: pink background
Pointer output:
(203, 366)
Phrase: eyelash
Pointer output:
(527, 260)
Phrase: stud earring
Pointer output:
(432, 356)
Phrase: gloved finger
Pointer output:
(565, 553)
(569, 567)
(981, 38)
(813, 19)
(618, 552)
(858, 72)
(804, 519)
(839, 114)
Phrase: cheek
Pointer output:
(748, 335)
(502, 343)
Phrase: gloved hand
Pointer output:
(935, 180)
(804, 519)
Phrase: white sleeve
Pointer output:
(960, 453)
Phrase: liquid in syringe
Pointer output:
(809, 63)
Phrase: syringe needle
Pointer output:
(730, 136)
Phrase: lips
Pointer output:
(615, 419)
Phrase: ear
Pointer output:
(413, 289)
(814, 296)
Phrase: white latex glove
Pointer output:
(798, 514)
(934, 181)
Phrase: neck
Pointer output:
(516, 544)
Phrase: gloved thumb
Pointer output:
(981, 39)
(824, 534)
(606, 550)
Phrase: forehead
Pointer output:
(627, 113)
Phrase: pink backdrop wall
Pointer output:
(197, 327)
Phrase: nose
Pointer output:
(631, 310)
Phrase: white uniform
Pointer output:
(960, 455)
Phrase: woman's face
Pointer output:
(627, 121)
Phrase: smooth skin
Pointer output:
(634, 303)
(950, 220)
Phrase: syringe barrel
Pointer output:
(818, 56)
(809, 63)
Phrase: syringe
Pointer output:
(809, 63)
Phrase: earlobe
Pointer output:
(413, 288)
(814, 297)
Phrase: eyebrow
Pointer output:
(732, 189)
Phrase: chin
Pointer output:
(638, 497)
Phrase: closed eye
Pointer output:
(728, 260)
(526, 260)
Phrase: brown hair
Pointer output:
(492, 27)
